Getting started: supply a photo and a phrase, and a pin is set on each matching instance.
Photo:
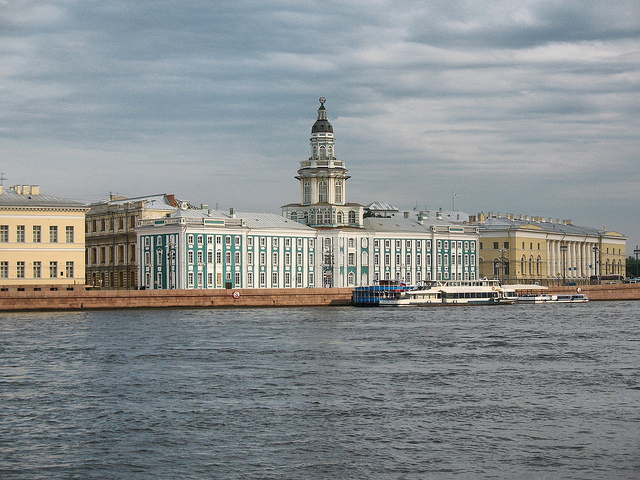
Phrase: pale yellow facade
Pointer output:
(42, 240)
(535, 250)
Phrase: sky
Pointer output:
(525, 107)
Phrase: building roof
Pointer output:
(270, 220)
(12, 198)
(562, 227)
(380, 207)
(158, 201)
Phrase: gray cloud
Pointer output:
(526, 106)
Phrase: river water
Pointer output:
(507, 392)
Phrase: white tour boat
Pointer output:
(557, 298)
(453, 292)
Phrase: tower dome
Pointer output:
(322, 124)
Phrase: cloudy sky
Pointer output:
(528, 107)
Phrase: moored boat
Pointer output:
(370, 295)
(548, 298)
(454, 292)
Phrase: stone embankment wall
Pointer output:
(111, 299)
(80, 299)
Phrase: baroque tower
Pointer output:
(323, 181)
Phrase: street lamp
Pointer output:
(563, 249)
(637, 252)
(595, 254)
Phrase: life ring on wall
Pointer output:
(579, 289)
(493, 288)
(236, 294)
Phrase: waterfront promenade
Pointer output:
(80, 299)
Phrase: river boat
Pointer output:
(370, 295)
(453, 292)
(548, 298)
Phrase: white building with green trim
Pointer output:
(323, 241)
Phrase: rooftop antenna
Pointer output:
(453, 200)
(2, 179)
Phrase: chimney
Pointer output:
(1, 192)
(204, 206)
(171, 199)
(35, 189)
(439, 214)
(406, 214)
(232, 212)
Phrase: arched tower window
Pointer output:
(322, 152)
(307, 193)
(338, 191)
(352, 217)
(323, 192)
(339, 218)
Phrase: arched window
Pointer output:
(538, 263)
(530, 265)
(294, 216)
(523, 260)
(322, 153)
(323, 192)
(338, 191)
(339, 218)
(352, 217)
(307, 193)
(352, 278)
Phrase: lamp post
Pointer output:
(502, 250)
(637, 252)
(595, 255)
(563, 249)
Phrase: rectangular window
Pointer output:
(210, 256)
(37, 269)
(250, 279)
(209, 279)
(236, 257)
(299, 258)
(263, 259)
(4, 269)
(53, 269)
(227, 240)
(352, 259)
(496, 246)
(299, 242)
(352, 243)
(287, 242)
(237, 279)
(21, 234)
(237, 241)
(274, 243)
(250, 241)
(53, 234)
(311, 242)
(218, 257)
(190, 278)
(249, 258)
(219, 240)
(190, 257)
(397, 259)
(506, 245)
(408, 259)
(311, 259)
(274, 279)
(376, 243)
(376, 259)
(20, 270)
(4, 233)
(387, 259)
(274, 258)
(311, 279)
(287, 259)
(69, 271)
(200, 257)
(398, 244)
(299, 279)
(263, 279)
(418, 244)
(190, 239)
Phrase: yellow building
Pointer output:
(545, 251)
(41, 240)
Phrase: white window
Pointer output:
(190, 239)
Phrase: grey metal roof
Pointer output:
(196, 213)
(270, 220)
(501, 223)
(381, 206)
(13, 199)
(400, 224)
(153, 202)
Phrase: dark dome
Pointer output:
(321, 126)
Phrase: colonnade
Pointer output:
(579, 259)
